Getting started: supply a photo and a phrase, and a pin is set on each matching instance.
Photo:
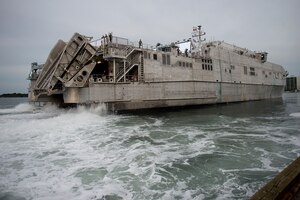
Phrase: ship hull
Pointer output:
(169, 94)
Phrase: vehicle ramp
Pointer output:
(68, 65)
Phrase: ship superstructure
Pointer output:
(126, 75)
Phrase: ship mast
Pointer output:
(196, 40)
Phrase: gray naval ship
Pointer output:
(127, 75)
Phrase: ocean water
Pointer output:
(209, 152)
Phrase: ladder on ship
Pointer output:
(141, 76)
(134, 58)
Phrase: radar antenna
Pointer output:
(196, 39)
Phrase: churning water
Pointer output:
(209, 152)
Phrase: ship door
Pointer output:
(100, 72)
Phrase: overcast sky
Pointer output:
(30, 28)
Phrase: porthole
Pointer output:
(84, 73)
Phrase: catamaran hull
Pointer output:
(168, 94)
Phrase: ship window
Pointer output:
(183, 64)
(203, 66)
(164, 59)
(252, 71)
(155, 56)
(225, 70)
(211, 67)
(191, 65)
(187, 64)
(245, 70)
(166, 49)
(232, 67)
(179, 64)
(230, 71)
(168, 60)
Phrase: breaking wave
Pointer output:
(21, 108)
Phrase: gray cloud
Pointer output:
(29, 29)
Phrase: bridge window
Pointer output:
(185, 64)
(208, 67)
(154, 56)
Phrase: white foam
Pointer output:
(50, 108)
(43, 141)
(21, 108)
(158, 122)
(98, 109)
(48, 147)
(295, 114)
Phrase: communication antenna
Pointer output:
(196, 39)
